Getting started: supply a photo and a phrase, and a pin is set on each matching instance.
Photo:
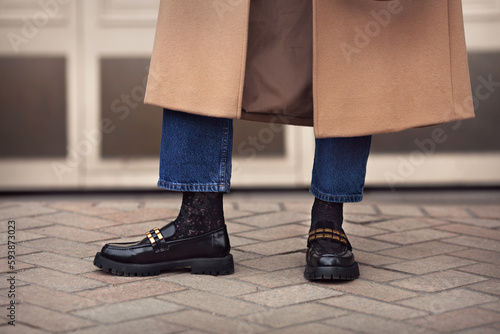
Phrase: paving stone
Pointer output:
(422, 250)
(487, 223)
(414, 236)
(20, 328)
(59, 262)
(370, 289)
(277, 262)
(457, 320)
(480, 330)
(363, 219)
(258, 206)
(294, 315)
(362, 323)
(52, 321)
(121, 205)
(241, 271)
(240, 256)
(479, 255)
(275, 247)
(475, 242)
(481, 232)
(275, 233)
(494, 306)
(237, 241)
(448, 300)
(359, 208)
(369, 245)
(483, 269)
(52, 299)
(211, 323)
(83, 207)
(5, 267)
(290, 295)
(142, 215)
(58, 281)
(373, 307)
(486, 211)
(429, 264)
(373, 259)
(27, 223)
(400, 210)
(309, 328)
(65, 247)
(130, 291)
(214, 284)
(361, 230)
(24, 210)
(380, 274)
(72, 233)
(128, 310)
(101, 275)
(233, 228)
(134, 230)
(408, 224)
(230, 214)
(304, 207)
(277, 278)
(491, 287)
(78, 220)
(273, 219)
(438, 281)
(210, 302)
(149, 325)
(446, 211)
(20, 236)
(21, 249)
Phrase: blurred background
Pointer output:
(72, 81)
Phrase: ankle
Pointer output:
(326, 214)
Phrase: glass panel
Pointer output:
(33, 107)
(136, 127)
(477, 135)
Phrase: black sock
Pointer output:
(326, 215)
(201, 212)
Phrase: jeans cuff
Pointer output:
(187, 187)
(335, 198)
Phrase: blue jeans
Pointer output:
(196, 154)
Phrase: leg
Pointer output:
(338, 177)
(195, 159)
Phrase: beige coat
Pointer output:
(348, 67)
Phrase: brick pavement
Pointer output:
(429, 264)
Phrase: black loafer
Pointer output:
(204, 254)
(329, 256)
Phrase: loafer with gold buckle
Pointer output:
(204, 254)
(329, 256)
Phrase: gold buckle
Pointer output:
(151, 239)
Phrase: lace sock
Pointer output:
(200, 212)
(326, 215)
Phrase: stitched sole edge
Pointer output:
(332, 273)
(201, 266)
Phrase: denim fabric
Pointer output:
(195, 152)
(339, 169)
(196, 155)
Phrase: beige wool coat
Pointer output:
(346, 67)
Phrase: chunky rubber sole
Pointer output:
(201, 266)
(339, 273)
